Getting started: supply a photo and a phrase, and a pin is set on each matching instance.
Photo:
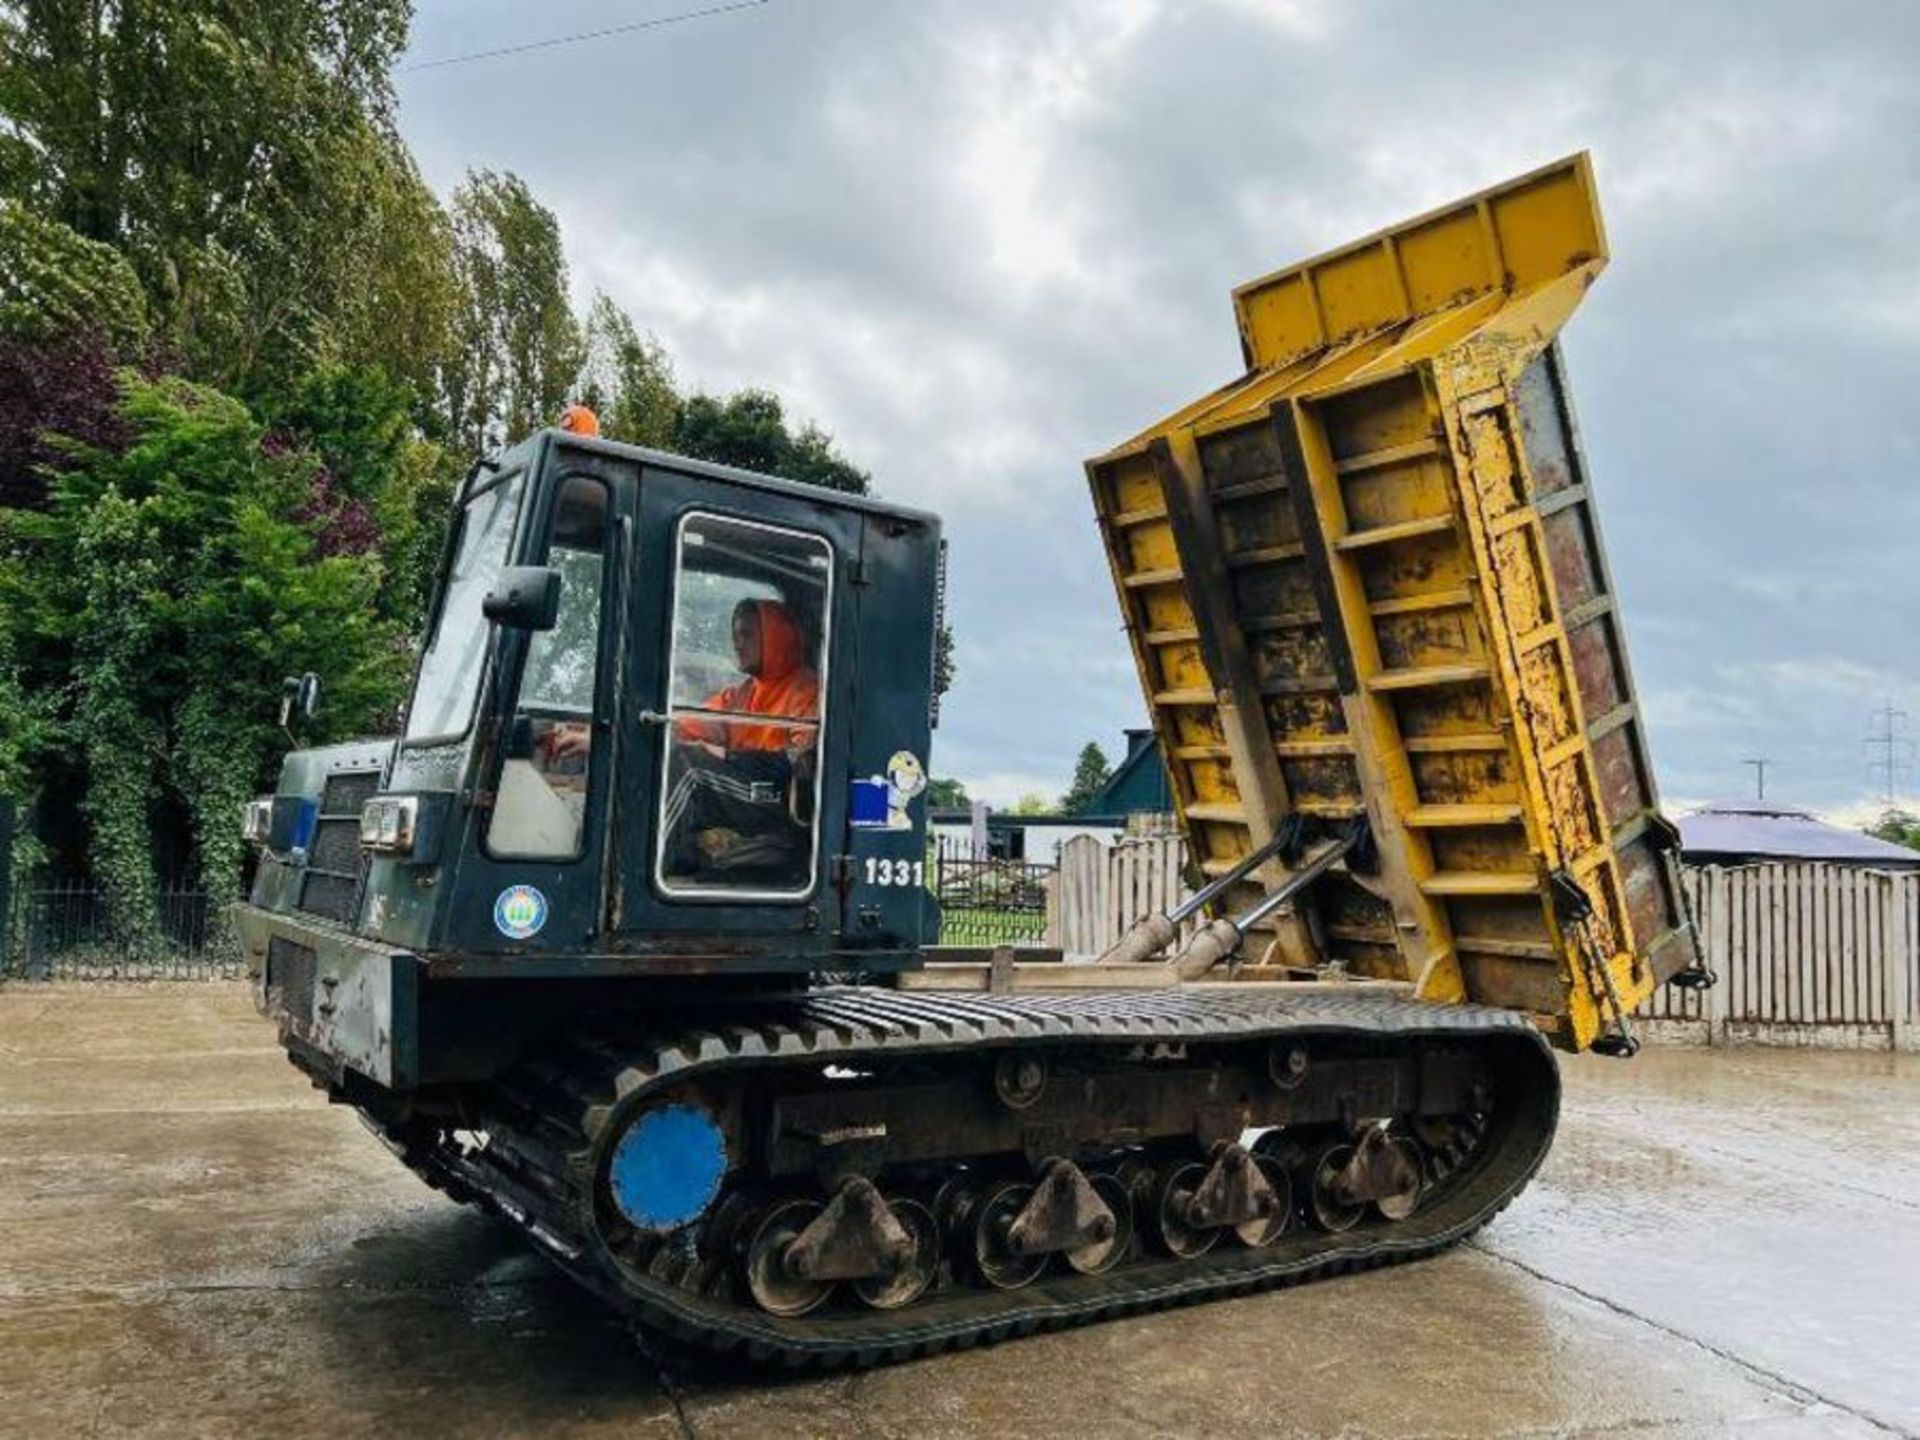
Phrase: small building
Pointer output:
(1752, 832)
(1035, 839)
(1137, 799)
(1139, 785)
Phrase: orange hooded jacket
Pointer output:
(785, 685)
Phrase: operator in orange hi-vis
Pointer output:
(770, 650)
(769, 647)
(728, 805)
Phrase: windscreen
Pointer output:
(450, 670)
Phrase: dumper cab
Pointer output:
(669, 720)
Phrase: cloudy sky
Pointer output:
(981, 240)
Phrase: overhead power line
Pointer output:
(35, 132)
(579, 37)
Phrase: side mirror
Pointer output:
(526, 597)
(299, 695)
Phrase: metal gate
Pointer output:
(987, 899)
(63, 930)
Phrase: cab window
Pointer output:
(539, 809)
(739, 798)
(450, 670)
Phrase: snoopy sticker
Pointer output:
(880, 801)
(906, 778)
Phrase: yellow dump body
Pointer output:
(1367, 577)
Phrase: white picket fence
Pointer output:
(1807, 954)
(1099, 890)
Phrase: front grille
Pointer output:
(333, 897)
(336, 846)
(290, 977)
(335, 863)
(348, 793)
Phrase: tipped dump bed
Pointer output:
(1367, 577)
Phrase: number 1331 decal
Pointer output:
(896, 872)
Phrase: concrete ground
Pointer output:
(192, 1242)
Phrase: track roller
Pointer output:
(1098, 1256)
(917, 1271)
(990, 1223)
(1325, 1168)
(774, 1289)
(1172, 1213)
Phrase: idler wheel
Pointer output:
(774, 1289)
(916, 1275)
(994, 1258)
(1263, 1230)
(1100, 1256)
(1172, 1200)
(1399, 1207)
(1020, 1079)
(1328, 1210)
(1287, 1065)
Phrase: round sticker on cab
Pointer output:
(520, 912)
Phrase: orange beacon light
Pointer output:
(579, 420)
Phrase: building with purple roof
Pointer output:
(1750, 832)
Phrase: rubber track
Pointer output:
(546, 1122)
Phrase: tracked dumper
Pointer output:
(627, 938)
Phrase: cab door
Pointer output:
(734, 739)
(536, 846)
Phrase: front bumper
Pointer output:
(352, 1002)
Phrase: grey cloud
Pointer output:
(982, 241)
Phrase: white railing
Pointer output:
(1806, 953)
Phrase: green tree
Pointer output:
(116, 731)
(1901, 827)
(627, 379)
(518, 348)
(25, 727)
(162, 595)
(232, 153)
(945, 666)
(384, 487)
(399, 303)
(1032, 803)
(54, 283)
(749, 429)
(947, 795)
(1090, 775)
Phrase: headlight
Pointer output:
(256, 821)
(387, 824)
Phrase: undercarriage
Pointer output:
(859, 1175)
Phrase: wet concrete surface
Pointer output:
(192, 1242)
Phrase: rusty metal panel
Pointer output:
(1367, 577)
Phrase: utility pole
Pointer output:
(1759, 763)
(1894, 751)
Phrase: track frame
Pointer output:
(551, 1125)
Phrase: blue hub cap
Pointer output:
(668, 1166)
